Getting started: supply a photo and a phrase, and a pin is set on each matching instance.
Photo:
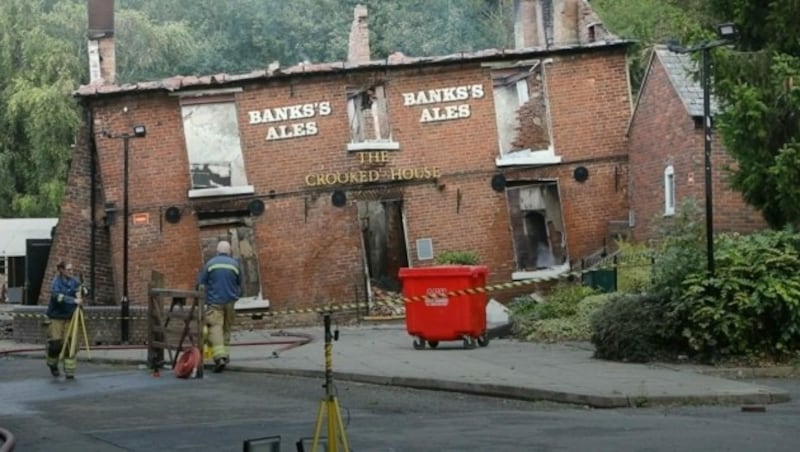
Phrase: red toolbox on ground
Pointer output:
(435, 316)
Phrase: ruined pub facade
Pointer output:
(329, 178)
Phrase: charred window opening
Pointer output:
(368, 116)
(522, 111)
(383, 242)
(537, 226)
(243, 248)
(211, 131)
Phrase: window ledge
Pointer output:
(251, 303)
(669, 213)
(528, 157)
(544, 273)
(221, 191)
(374, 146)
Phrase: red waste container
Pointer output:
(437, 316)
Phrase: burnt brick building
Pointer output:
(327, 178)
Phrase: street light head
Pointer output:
(727, 31)
(139, 131)
(675, 47)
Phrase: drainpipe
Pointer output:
(89, 118)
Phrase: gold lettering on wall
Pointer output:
(365, 177)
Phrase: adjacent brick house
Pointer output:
(329, 177)
(667, 163)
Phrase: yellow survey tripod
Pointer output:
(70, 346)
(329, 405)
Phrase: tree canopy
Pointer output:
(758, 83)
(43, 59)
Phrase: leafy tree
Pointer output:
(38, 117)
(759, 86)
(42, 60)
(649, 22)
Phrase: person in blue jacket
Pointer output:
(222, 278)
(64, 298)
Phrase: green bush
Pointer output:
(457, 258)
(629, 328)
(553, 318)
(751, 307)
(572, 328)
(681, 252)
(634, 272)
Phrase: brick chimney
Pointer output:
(565, 21)
(528, 24)
(102, 58)
(358, 50)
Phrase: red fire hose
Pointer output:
(8, 440)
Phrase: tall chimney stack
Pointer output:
(529, 28)
(358, 50)
(102, 58)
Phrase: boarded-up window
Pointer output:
(211, 128)
(243, 249)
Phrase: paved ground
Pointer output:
(123, 408)
(559, 373)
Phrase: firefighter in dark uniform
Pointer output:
(221, 277)
(64, 298)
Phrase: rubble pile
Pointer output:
(386, 303)
(6, 322)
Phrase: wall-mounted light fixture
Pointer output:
(581, 174)
(255, 207)
(339, 198)
(498, 183)
(172, 215)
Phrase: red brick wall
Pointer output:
(309, 250)
(662, 133)
(72, 240)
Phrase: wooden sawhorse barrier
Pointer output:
(174, 326)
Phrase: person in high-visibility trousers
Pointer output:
(64, 298)
(222, 278)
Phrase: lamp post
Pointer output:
(138, 132)
(726, 33)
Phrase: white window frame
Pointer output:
(669, 190)
(528, 156)
(239, 185)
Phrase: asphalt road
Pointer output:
(112, 408)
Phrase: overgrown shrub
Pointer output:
(457, 258)
(634, 272)
(576, 327)
(681, 251)
(551, 318)
(751, 307)
(629, 328)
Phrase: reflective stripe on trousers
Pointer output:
(219, 318)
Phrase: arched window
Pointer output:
(669, 190)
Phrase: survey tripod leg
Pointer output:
(69, 348)
(329, 405)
